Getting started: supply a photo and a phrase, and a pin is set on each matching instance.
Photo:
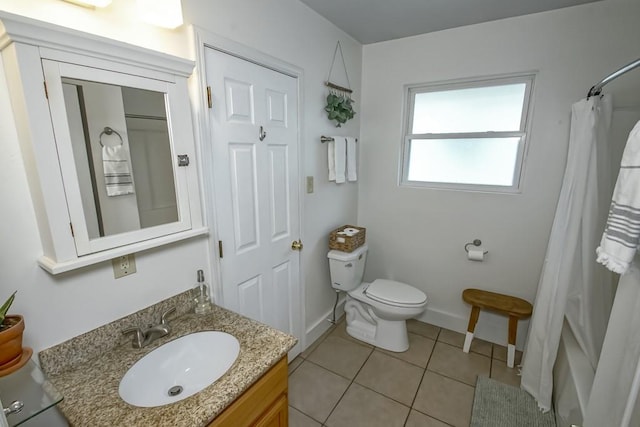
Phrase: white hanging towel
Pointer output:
(339, 157)
(352, 159)
(331, 159)
(117, 173)
(621, 236)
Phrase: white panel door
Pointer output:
(254, 129)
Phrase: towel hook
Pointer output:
(476, 242)
(108, 131)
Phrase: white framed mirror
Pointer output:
(117, 141)
(82, 102)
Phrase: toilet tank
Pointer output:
(347, 268)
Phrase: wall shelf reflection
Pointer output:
(29, 385)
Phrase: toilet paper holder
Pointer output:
(476, 242)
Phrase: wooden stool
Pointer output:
(515, 308)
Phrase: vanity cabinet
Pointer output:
(107, 139)
(264, 404)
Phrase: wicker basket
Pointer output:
(347, 243)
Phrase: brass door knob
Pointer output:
(296, 245)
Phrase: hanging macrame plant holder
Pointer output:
(339, 106)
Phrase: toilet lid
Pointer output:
(395, 293)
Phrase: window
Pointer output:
(467, 135)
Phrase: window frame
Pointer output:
(410, 92)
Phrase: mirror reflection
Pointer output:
(122, 152)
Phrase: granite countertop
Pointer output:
(90, 389)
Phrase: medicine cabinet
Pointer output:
(106, 134)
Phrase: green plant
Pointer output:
(5, 307)
(339, 108)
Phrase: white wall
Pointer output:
(58, 308)
(417, 235)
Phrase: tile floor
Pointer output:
(341, 382)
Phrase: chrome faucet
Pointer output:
(144, 337)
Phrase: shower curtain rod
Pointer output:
(595, 90)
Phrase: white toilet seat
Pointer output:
(377, 320)
(395, 293)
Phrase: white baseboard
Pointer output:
(490, 327)
(323, 324)
(444, 319)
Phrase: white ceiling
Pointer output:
(371, 21)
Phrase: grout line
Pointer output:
(490, 366)
(347, 389)
(460, 348)
(424, 373)
(296, 368)
(431, 416)
(355, 341)
(382, 351)
(300, 410)
(451, 378)
(438, 334)
(392, 354)
(352, 381)
(470, 351)
(327, 369)
(491, 370)
(413, 401)
(382, 394)
(436, 340)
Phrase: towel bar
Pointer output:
(324, 139)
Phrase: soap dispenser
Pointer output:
(201, 295)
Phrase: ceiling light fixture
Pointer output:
(163, 13)
(92, 4)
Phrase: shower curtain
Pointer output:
(572, 284)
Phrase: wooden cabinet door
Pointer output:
(263, 404)
(277, 415)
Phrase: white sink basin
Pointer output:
(179, 369)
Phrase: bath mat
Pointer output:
(500, 405)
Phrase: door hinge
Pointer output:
(183, 160)
(209, 101)
(220, 249)
(71, 227)
(46, 91)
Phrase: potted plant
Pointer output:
(339, 108)
(11, 328)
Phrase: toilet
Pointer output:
(377, 311)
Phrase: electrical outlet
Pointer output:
(309, 184)
(124, 265)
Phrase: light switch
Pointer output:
(309, 184)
